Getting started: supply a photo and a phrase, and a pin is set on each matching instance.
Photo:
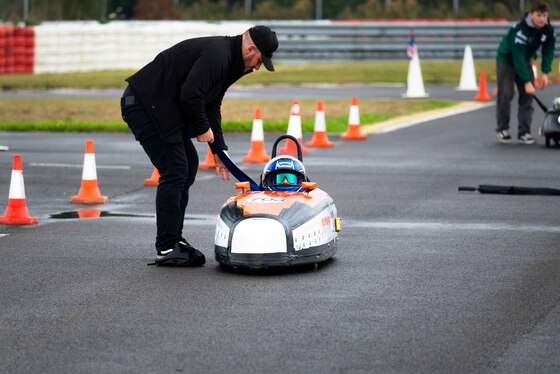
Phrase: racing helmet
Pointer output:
(283, 173)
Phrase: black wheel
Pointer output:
(547, 141)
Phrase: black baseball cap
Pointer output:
(266, 41)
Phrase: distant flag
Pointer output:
(411, 46)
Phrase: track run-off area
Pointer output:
(426, 278)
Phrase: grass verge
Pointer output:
(443, 72)
(103, 115)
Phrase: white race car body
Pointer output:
(259, 229)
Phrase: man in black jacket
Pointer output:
(178, 96)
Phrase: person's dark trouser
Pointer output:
(176, 159)
(506, 79)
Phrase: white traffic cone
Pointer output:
(415, 83)
(294, 129)
(468, 75)
(16, 213)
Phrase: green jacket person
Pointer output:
(513, 66)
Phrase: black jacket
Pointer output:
(185, 84)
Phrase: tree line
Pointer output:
(35, 11)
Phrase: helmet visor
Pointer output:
(286, 178)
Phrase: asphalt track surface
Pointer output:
(275, 92)
(427, 279)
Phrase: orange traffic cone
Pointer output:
(257, 153)
(482, 94)
(153, 180)
(353, 132)
(16, 213)
(320, 138)
(89, 191)
(537, 81)
(209, 163)
(294, 129)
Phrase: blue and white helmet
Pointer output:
(283, 173)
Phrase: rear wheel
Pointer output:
(547, 141)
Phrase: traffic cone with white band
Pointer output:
(294, 129)
(16, 213)
(353, 132)
(89, 190)
(257, 153)
(538, 83)
(320, 138)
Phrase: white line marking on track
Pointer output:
(418, 118)
(54, 165)
(1, 235)
(451, 226)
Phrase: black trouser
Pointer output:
(176, 159)
(506, 79)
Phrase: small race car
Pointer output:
(550, 128)
(284, 221)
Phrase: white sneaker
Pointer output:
(503, 136)
(526, 139)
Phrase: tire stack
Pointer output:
(17, 45)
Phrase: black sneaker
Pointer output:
(526, 138)
(196, 253)
(180, 256)
(503, 136)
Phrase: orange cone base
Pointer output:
(207, 166)
(153, 180)
(257, 153)
(320, 140)
(539, 83)
(482, 96)
(353, 133)
(291, 148)
(89, 194)
(17, 214)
